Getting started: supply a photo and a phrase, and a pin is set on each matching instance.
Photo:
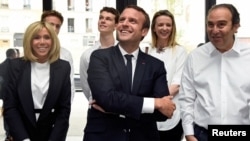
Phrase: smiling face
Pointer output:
(106, 22)
(163, 27)
(41, 45)
(130, 26)
(220, 28)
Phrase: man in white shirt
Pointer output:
(55, 18)
(215, 83)
(107, 22)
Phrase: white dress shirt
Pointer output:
(215, 87)
(67, 56)
(173, 59)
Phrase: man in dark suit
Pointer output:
(121, 112)
(10, 54)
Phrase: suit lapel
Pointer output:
(139, 71)
(25, 93)
(50, 99)
(121, 69)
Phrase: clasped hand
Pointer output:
(165, 105)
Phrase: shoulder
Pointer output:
(205, 49)
(86, 54)
(66, 55)
(105, 51)
(17, 62)
(180, 48)
(181, 51)
(151, 59)
(151, 63)
(65, 52)
(3, 67)
(18, 65)
(4, 63)
(62, 62)
(61, 65)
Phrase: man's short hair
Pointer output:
(10, 53)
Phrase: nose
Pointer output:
(125, 22)
(42, 40)
(102, 20)
(215, 28)
(164, 27)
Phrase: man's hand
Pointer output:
(190, 138)
(97, 107)
(165, 105)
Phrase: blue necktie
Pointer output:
(129, 69)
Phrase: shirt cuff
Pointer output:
(148, 105)
(188, 129)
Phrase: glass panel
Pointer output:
(81, 30)
(189, 18)
(89, 25)
(15, 16)
(71, 26)
(71, 5)
(87, 5)
(4, 4)
(26, 4)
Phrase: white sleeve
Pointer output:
(66, 55)
(148, 105)
(84, 64)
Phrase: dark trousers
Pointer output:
(200, 133)
(175, 134)
(6, 127)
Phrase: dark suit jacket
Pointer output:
(3, 76)
(53, 122)
(109, 85)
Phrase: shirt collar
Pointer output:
(135, 53)
(236, 48)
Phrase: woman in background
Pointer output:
(37, 101)
(166, 48)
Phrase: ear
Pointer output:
(236, 27)
(115, 27)
(144, 32)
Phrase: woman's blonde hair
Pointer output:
(29, 35)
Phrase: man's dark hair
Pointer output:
(10, 53)
(147, 19)
(51, 13)
(112, 11)
(232, 9)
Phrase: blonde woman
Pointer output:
(37, 102)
